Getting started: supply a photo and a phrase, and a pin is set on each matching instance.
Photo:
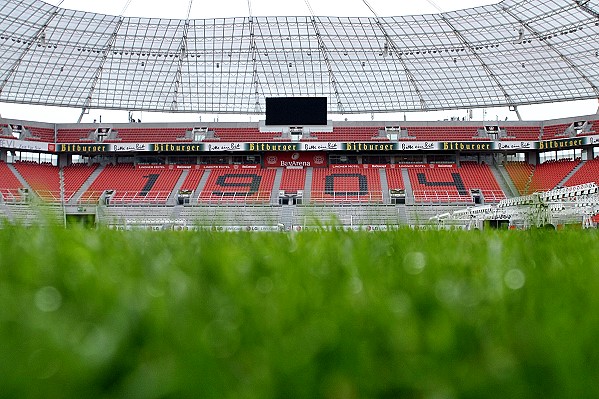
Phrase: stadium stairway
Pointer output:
(287, 213)
(274, 196)
(172, 198)
(385, 187)
(200, 187)
(177, 209)
(20, 178)
(5, 212)
(308, 185)
(503, 179)
(85, 185)
(572, 173)
(408, 186)
(402, 214)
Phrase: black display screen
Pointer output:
(296, 111)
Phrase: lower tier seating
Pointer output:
(293, 180)
(548, 175)
(352, 184)
(42, 178)
(395, 180)
(9, 184)
(192, 180)
(521, 174)
(238, 185)
(74, 177)
(449, 184)
(588, 173)
(133, 185)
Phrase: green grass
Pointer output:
(405, 314)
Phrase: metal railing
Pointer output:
(328, 198)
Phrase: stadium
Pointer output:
(292, 169)
(312, 128)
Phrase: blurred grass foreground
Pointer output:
(406, 314)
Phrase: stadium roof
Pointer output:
(506, 54)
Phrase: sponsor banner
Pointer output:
(591, 140)
(561, 144)
(515, 145)
(138, 166)
(290, 148)
(26, 145)
(350, 166)
(149, 166)
(129, 147)
(177, 147)
(274, 147)
(79, 148)
(321, 146)
(231, 167)
(417, 146)
(295, 159)
(382, 166)
(378, 147)
(466, 145)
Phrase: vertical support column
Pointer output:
(532, 158)
(64, 160)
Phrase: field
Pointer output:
(406, 314)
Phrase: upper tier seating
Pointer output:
(133, 185)
(293, 180)
(43, 179)
(524, 133)
(74, 135)
(244, 134)
(238, 185)
(588, 173)
(9, 184)
(555, 132)
(148, 135)
(593, 129)
(5, 131)
(450, 184)
(352, 184)
(450, 133)
(41, 134)
(349, 133)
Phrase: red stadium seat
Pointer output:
(239, 186)
(293, 180)
(133, 185)
(352, 184)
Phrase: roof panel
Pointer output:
(510, 53)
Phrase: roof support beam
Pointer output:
(100, 68)
(254, 55)
(482, 62)
(566, 60)
(39, 36)
(395, 50)
(182, 51)
(325, 56)
(583, 5)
